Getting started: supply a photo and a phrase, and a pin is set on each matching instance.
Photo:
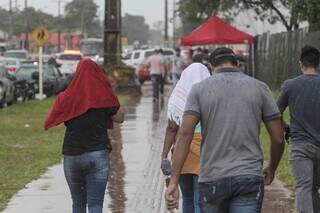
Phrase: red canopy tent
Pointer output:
(215, 31)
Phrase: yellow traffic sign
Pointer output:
(41, 35)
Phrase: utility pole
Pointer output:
(26, 42)
(59, 26)
(16, 5)
(166, 37)
(112, 32)
(174, 24)
(10, 20)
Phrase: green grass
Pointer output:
(284, 169)
(26, 152)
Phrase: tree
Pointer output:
(194, 12)
(274, 11)
(291, 13)
(135, 28)
(35, 18)
(81, 14)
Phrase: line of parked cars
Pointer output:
(19, 77)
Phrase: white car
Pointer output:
(136, 57)
(21, 55)
(69, 61)
(11, 64)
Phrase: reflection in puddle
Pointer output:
(132, 144)
(117, 173)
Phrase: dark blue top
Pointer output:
(302, 95)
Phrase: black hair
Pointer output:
(310, 57)
(222, 55)
(161, 51)
(198, 58)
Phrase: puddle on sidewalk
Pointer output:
(131, 147)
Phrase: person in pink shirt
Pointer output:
(156, 64)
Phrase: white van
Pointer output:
(136, 57)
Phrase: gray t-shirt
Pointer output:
(231, 107)
(302, 95)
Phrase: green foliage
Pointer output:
(21, 18)
(135, 28)
(82, 14)
(284, 169)
(291, 13)
(194, 12)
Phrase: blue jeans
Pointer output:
(240, 194)
(190, 193)
(87, 176)
(156, 85)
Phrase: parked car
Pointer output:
(53, 80)
(69, 61)
(6, 87)
(11, 64)
(21, 55)
(138, 56)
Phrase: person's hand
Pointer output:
(268, 174)
(287, 131)
(166, 167)
(172, 197)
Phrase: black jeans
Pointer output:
(156, 85)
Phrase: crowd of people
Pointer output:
(223, 113)
(215, 113)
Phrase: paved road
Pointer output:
(135, 183)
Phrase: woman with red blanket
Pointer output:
(88, 108)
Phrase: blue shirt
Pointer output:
(302, 96)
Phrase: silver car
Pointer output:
(6, 88)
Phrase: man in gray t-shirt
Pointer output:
(302, 96)
(230, 106)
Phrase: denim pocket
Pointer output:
(248, 188)
(213, 192)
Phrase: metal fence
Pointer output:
(276, 56)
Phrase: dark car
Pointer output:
(53, 81)
(6, 87)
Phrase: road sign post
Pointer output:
(41, 36)
(40, 73)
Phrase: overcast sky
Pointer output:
(153, 10)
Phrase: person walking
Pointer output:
(177, 67)
(302, 96)
(88, 107)
(188, 180)
(156, 63)
(230, 107)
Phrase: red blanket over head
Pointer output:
(90, 88)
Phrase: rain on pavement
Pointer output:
(135, 183)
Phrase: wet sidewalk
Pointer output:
(136, 184)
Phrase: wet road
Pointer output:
(135, 183)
